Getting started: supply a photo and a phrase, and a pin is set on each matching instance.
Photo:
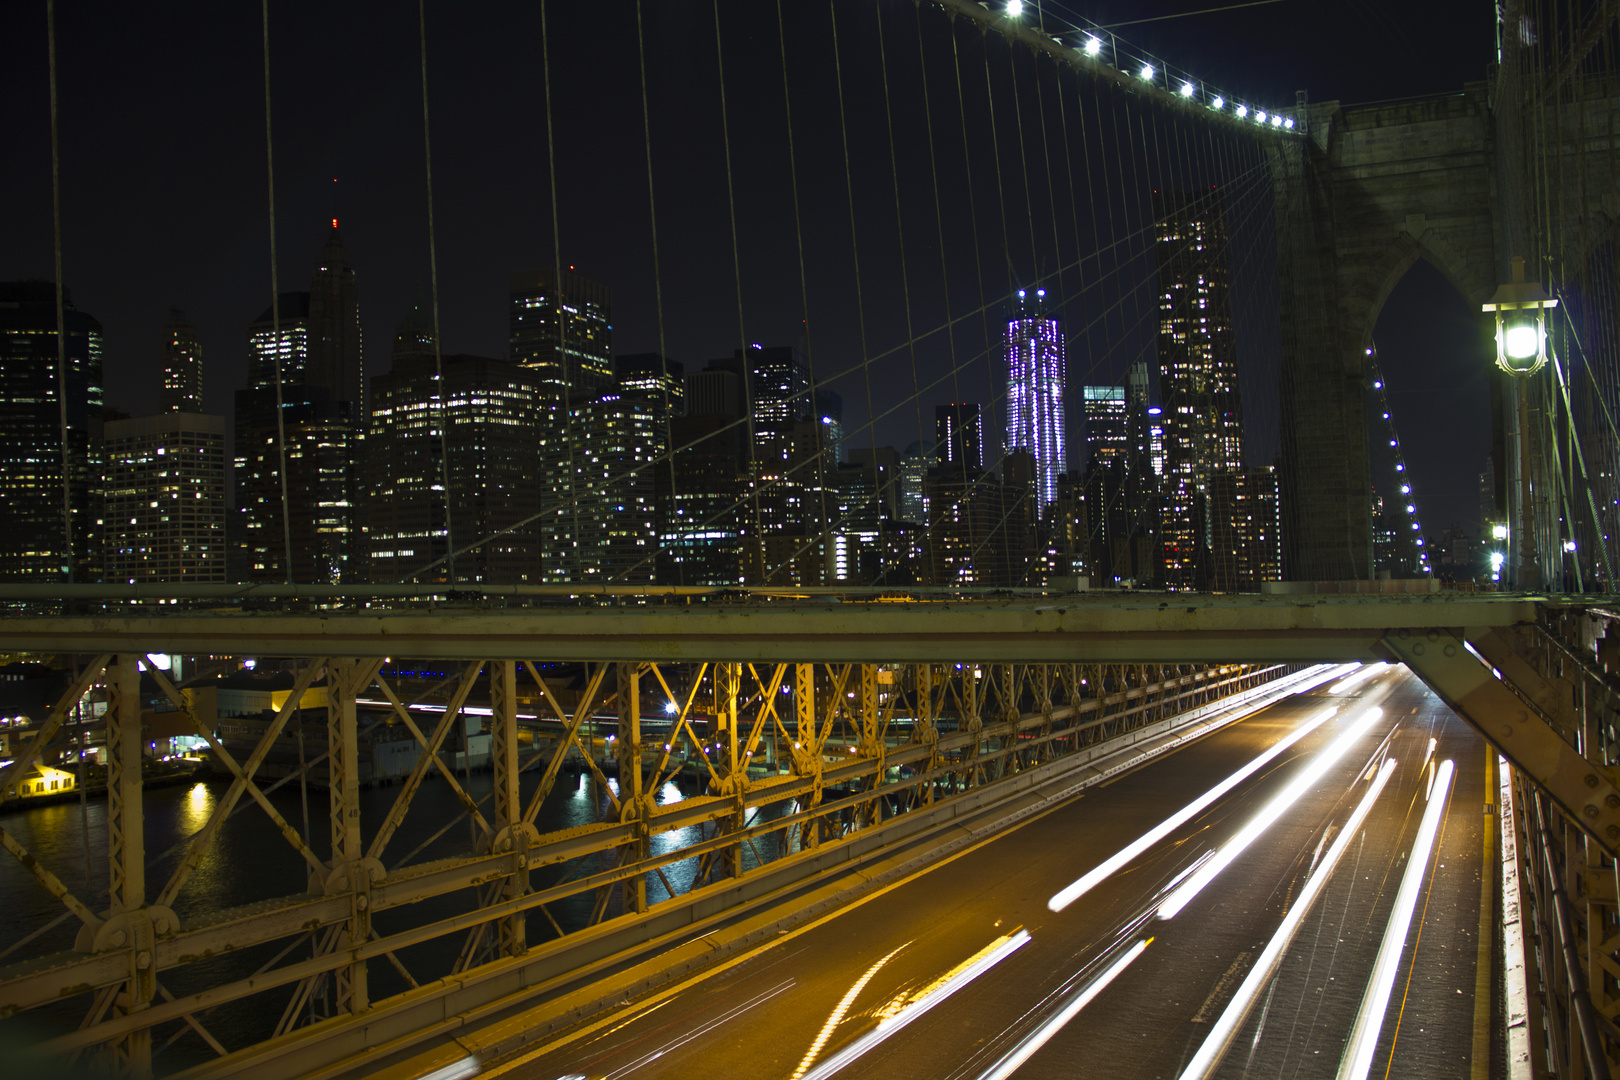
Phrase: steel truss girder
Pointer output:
(1114, 628)
(341, 907)
(1502, 710)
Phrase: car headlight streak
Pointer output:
(1268, 816)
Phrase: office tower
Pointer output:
(34, 545)
(1198, 384)
(702, 505)
(776, 398)
(562, 327)
(914, 465)
(491, 411)
(165, 516)
(334, 360)
(313, 338)
(1036, 419)
(959, 434)
(982, 530)
(182, 366)
(1107, 425)
(713, 393)
(615, 490)
(655, 379)
(830, 408)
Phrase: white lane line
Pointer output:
(976, 965)
(1273, 810)
(1221, 1036)
(1096, 876)
(1021, 1053)
(1358, 1054)
(701, 1030)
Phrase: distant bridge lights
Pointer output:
(1146, 72)
(1093, 46)
(1218, 103)
(1186, 89)
(1242, 111)
(1015, 8)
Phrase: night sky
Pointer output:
(164, 187)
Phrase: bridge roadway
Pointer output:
(760, 1018)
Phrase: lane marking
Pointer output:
(1480, 1068)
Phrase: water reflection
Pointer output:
(197, 807)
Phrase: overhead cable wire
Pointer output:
(277, 345)
(433, 273)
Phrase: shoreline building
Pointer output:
(35, 547)
(1036, 416)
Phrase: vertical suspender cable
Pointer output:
(562, 322)
(61, 327)
(275, 310)
(658, 295)
(804, 298)
(736, 268)
(433, 276)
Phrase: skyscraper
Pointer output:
(33, 546)
(1203, 527)
(182, 366)
(316, 347)
(1036, 418)
(1107, 438)
(165, 516)
(562, 327)
(959, 434)
(491, 410)
(334, 325)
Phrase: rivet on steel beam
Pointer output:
(1507, 729)
(1589, 810)
(1614, 832)
(1591, 780)
(1613, 801)
(143, 959)
(1451, 650)
(362, 901)
(1417, 648)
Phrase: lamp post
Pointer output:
(1521, 350)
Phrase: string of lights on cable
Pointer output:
(1403, 476)
(1094, 44)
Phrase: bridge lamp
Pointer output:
(1499, 532)
(670, 708)
(1521, 323)
(1146, 72)
(1218, 103)
(1276, 121)
(1186, 89)
(1015, 8)
(1569, 545)
(1289, 123)
(1242, 111)
(1093, 46)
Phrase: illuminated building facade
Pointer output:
(313, 338)
(491, 409)
(959, 434)
(182, 366)
(1202, 529)
(165, 509)
(32, 544)
(1036, 418)
(561, 326)
(1107, 421)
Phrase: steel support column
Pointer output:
(635, 804)
(511, 834)
(347, 871)
(128, 927)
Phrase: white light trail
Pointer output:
(976, 965)
(837, 1016)
(456, 1070)
(1367, 672)
(1267, 817)
(1370, 1020)
(1112, 865)
(1209, 1055)
(1039, 1038)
